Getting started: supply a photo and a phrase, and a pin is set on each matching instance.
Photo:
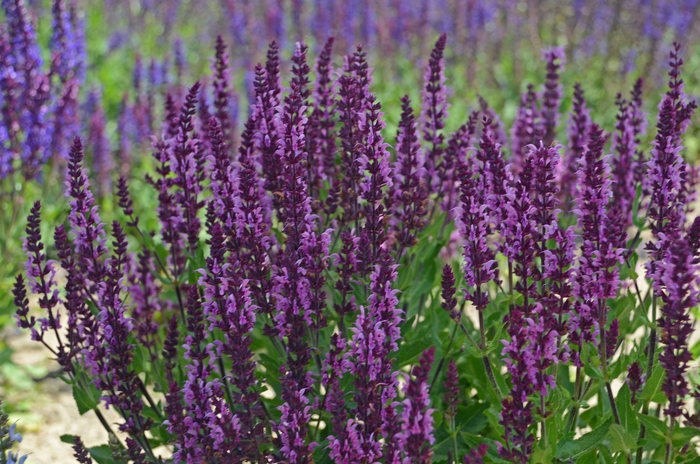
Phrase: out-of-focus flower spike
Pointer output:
(434, 113)
(579, 126)
(524, 130)
(555, 59)
(320, 134)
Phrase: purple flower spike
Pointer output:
(639, 125)
(378, 178)
(666, 180)
(320, 134)
(635, 380)
(41, 274)
(434, 110)
(455, 153)
(579, 126)
(551, 98)
(222, 85)
(80, 453)
(451, 398)
(416, 434)
(524, 130)
(408, 190)
(89, 239)
(375, 336)
(597, 277)
(678, 275)
(480, 266)
(624, 188)
(267, 130)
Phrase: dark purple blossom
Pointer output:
(320, 134)
(635, 380)
(416, 434)
(678, 276)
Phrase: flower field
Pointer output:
(349, 232)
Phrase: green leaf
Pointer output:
(68, 439)
(621, 441)
(102, 454)
(628, 419)
(542, 456)
(652, 389)
(87, 399)
(683, 435)
(589, 458)
(656, 428)
(572, 448)
(636, 220)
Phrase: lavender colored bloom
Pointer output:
(517, 411)
(63, 42)
(186, 158)
(666, 172)
(416, 434)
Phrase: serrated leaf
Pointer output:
(655, 427)
(542, 456)
(652, 388)
(572, 448)
(683, 435)
(621, 441)
(86, 399)
(589, 458)
(628, 419)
